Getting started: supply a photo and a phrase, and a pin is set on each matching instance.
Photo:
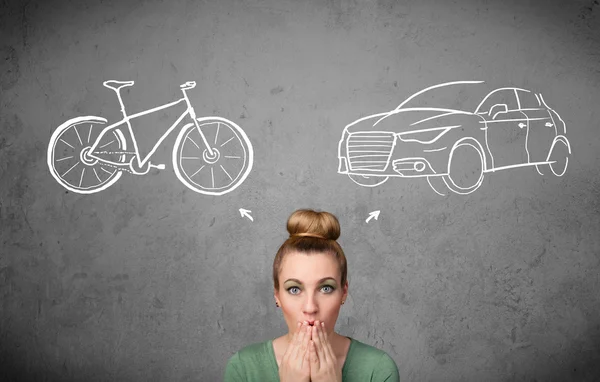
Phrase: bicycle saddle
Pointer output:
(116, 85)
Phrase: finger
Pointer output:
(290, 348)
(327, 346)
(325, 356)
(308, 355)
(302, 353)
(306, 337)
(298, 343)
(314, 359)
(319, 343)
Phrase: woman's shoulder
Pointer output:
(253, 362)
(253, 350)
(364, 357)
(364, 350)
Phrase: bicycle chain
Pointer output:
(114, 152)
(117, 168)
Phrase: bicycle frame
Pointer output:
(127, 120)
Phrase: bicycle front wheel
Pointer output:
(222, 168)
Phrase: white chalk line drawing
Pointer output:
(87, 156)
(246, 213)
(454, 147)
(373, 215)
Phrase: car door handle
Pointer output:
(521, 125)
(549, 124)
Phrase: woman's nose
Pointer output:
(310, 305)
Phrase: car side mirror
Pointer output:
(497, 109)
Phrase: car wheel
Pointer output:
(559, 155)
(465, 167)
(368, 181)
(438, 185)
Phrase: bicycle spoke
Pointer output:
(191, 158)
(106, 171)
(66, 143)
(222, 168)
(217, 135)
(63, 175)
(107, 144)
(89, 134)
(232, 157)
(77, 132)
(197, 171)
(227, 141)
(97, 177)
(81, 179)
(212, 174)
(65, 158)
(188, 137)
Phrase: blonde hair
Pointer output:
(311, 231)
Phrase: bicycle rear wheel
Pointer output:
(69, 163)
(221, 172)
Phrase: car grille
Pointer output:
(369, 150)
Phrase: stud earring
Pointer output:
(343, 302)
(276, 304)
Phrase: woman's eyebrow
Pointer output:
(318, 282)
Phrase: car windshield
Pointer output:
(464, 96)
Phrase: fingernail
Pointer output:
(322, 324)
(305, 322)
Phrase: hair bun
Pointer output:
(310, 223)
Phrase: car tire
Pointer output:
(368, 181)
(438, 185)
(559, 154)
(466, 165)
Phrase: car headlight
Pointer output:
(425, 136)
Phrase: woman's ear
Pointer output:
(345, 290)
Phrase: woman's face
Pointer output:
(310, 289)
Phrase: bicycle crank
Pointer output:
(144, 169)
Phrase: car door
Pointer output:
(506, 128)
(541, 126)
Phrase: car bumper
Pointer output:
(404, 167)
(412, 167)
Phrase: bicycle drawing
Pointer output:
(211, 155)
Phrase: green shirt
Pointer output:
(364, 363)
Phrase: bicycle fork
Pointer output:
(211, 154)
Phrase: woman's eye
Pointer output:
(327, 289)
(294, 290)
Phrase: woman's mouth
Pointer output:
(311, 323)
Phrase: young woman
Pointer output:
(310, 280)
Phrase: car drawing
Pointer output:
(452, 134)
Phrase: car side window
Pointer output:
(528, 100)
(499, 97)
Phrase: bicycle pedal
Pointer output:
(158, 166)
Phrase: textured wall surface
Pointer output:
(150, 281)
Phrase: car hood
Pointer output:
(406, 119)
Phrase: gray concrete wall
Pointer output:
(150, 281)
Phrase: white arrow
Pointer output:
(246, 213)
(374, 214)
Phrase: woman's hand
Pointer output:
(295, 363)
(323, 362)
